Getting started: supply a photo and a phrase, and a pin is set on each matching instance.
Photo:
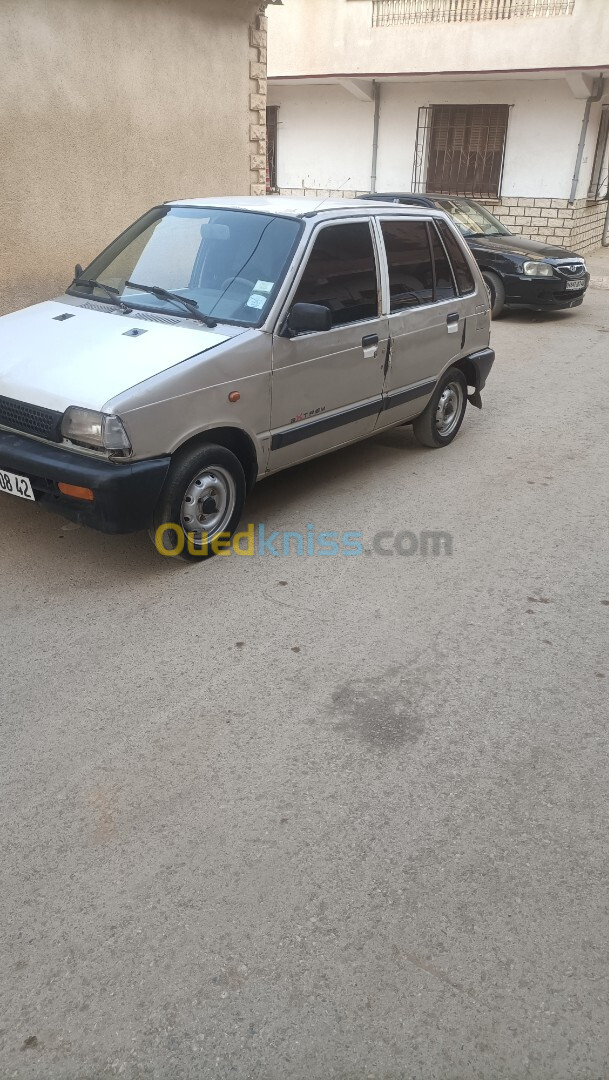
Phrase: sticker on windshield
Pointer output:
(257, 301)
(264, 286)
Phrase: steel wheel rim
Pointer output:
(208, 504)
(449, 407)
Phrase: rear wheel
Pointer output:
(440, 422)
(496, 293)
(202, 499)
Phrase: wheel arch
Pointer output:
(475, 368)
(493, 271)
(234, 439)
(466, 366)
(469, 370)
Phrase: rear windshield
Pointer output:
(230, 262)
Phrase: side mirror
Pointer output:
(309, 318)
(77, 271)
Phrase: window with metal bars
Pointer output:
(460, 150)
(271, 147)
(396, 12)
(599, 181)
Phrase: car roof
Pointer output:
(298, 206)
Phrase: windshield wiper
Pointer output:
(162, 294)
(113, 293)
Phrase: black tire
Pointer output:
(221, 479)
(496, 293)
(428, 426)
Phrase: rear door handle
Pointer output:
(452, 322)
(370, 345)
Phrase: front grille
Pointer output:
(567, 297)
(31, 419)
(571, 269)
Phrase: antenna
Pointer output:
(328, 197)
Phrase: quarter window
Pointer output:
(409, 263)
(463, 274)
(445, 283)
(341, 274)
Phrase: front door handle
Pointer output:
(452, 322)
(370, 345)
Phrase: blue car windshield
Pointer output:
(471, 218)
(229, 262)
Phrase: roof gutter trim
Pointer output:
(426, 74)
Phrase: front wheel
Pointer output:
(440, 422)
(201, 504)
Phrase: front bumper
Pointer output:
(550, 293)
(125, 494)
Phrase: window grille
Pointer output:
(398, 12)
(460, 149)
(271, 147)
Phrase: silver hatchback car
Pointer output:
(217, 341)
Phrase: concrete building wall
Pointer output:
(108, 107)
(325, 144)
(543, 131)
(577, 226)
(324, 138)
(336, 36)
(325, 134)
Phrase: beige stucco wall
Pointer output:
(110, 106)
(313, 37)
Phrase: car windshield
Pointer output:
(229, 262)
(471, 218)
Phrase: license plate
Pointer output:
(573, 285)
(16, 485)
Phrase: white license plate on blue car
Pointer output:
(13, 484)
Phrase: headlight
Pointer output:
(538, 269)
(97, 430)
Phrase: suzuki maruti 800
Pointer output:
(217, 341)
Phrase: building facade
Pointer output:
(506, 101)
(108, 108)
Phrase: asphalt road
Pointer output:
(325, 817)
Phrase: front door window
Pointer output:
(341, 274)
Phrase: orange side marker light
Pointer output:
(76, 492)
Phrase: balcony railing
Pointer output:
(400, 12)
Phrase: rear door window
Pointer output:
(463, 274)
(341, 273)
(409, 263)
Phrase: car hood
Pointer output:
(519, 245)
(89, 357)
